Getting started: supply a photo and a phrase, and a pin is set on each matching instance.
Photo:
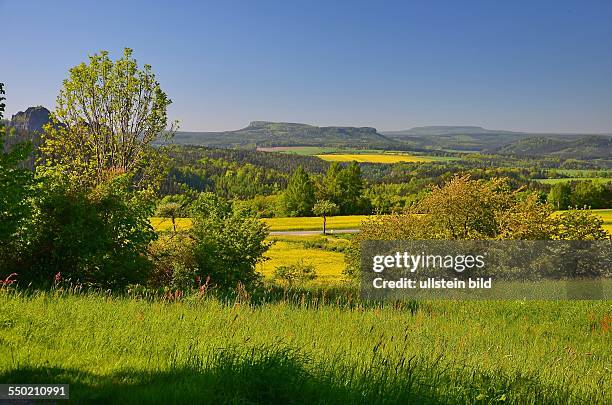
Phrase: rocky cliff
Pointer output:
(31, 120)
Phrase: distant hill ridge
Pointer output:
(266, 133)
(467, 138)
(446, 130)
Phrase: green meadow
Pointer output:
(127, 350)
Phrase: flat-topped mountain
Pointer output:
(265, 133)
(446, 130)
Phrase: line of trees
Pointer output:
(581, 194)
(342, 186)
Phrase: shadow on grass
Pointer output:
(284, 376)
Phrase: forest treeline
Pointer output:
(260, 180)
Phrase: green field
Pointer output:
(124, 350)
(602, 180)
(300, 150)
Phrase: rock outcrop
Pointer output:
(31, 120)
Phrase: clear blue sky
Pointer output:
(518, 65)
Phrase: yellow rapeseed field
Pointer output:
(276, 224)
(315, 223)
(328, 265)
(374, 158)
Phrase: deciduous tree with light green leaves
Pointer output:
(325, 208)
(107, 115)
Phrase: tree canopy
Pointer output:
(107, 114)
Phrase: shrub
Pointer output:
(165, 253)
(466, 209)
(297, 273)
(98, 236)
(228, 243)
(183, 277)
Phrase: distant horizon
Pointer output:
(9, 116)
(519, 66)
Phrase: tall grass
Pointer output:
(291, 351)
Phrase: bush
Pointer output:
(167, 252)
(183, 277)
(466, 209)
(228, 243)
(263, 206)
(297, 273)
(97, 237)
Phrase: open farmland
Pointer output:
(276, 224)
(323, 252)
(316, 223)
(606, 215)
(375, 158)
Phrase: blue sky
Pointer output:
(518, 65)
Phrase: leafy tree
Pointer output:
(227, 243)
(344, 187)
(170, 210)
(589, 194)
(299, 197)
(15, 188)
(330, 187)
(560, 195)
(107, 115)
(325, 208)
(351, 189)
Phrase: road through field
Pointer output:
(306, 233)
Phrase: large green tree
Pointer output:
(299, 197)
(344, 187)
(560, 195)
(15, 183)
(107, 115)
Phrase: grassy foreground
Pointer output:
(127, 350)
